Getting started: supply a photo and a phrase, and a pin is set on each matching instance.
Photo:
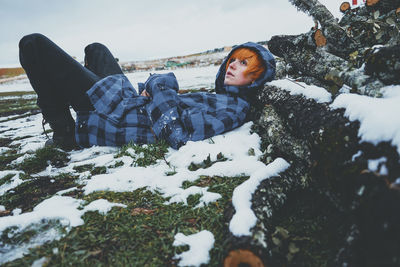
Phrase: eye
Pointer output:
(243, 62)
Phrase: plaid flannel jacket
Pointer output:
(121, 116)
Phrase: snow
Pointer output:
(156, 178)
(14, 182)
(319, 94)
(15, 251)
(64, 209)
(378, 165)
(242, 195)
(200, 244)
(16, 85)
(234, 146)
(56, 207)
(102, 206)
(40, 262)
(188, 78)
(378, 117)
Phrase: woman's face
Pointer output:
(235, 73)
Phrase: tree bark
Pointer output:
(322, 65)
(384, 63)
(338, 42)
(383, 6)
(320, 143)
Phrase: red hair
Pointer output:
(255, 66)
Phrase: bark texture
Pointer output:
(328, 203)
(350, 43)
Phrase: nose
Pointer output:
(233, 63)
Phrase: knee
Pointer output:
(92, 48)
(30, 39)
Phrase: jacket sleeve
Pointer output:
(164, 109)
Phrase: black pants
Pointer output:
(58, 79)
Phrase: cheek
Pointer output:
(243, 77)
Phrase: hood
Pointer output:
(251, 89)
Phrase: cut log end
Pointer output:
(319, 38)
(344, 7)
(372, 2)
(242, 257)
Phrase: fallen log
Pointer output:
(240, 257)
(384, 63)
(345, 6)
(383, 6)
(319, 38)
(338, 42)
(304, 60)
(277, 142)
(324, 162)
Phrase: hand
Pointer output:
(144, 93)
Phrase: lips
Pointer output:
(229, 74)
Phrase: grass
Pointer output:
(42, 158)
(144, 155)
(17, 103)
(36, 189)
(7, 157)
(6, 179)
(143, 233)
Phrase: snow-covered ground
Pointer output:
(128, 178)
(188, 78)
(375, 126)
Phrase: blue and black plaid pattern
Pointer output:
(119, 117)
(122, 116)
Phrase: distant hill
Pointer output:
(11, 72)
(210, 57)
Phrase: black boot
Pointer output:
(63, 126)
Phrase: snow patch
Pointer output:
(319, 94)
(244, 218)
(378, 117)
(200, 245)
(14, 182)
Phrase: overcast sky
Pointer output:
(136, 30)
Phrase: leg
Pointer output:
(100, 61)
(58, 79)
